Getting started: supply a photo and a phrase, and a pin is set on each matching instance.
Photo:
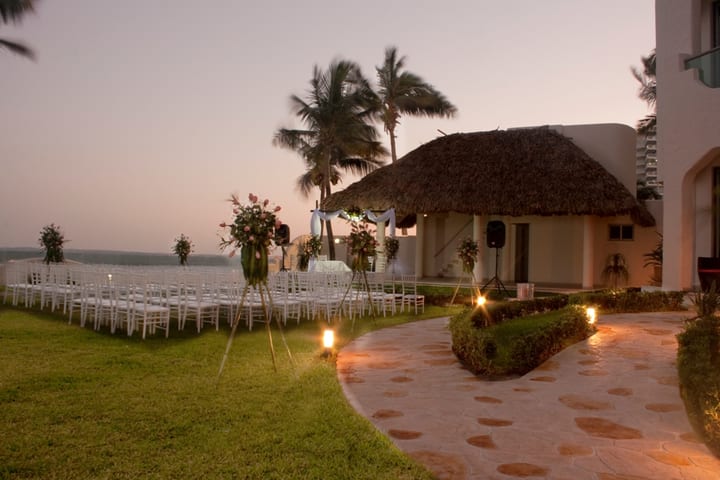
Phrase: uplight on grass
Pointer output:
(481, 300)
(328, 341)
(591, 314)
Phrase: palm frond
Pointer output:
(14, 10)
(17, 48)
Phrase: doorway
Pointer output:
(522, 252)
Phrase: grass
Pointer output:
(75, 403)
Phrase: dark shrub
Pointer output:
(521, 349)
(697, 360)
(630, 301)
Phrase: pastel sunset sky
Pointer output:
(139, 118)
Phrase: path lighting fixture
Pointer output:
(328, 342)
(591, 315)
(481, 300)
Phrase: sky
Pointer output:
(138, 119)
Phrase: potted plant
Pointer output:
(615, 269)
(654, 259)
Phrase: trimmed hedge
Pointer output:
(475, 336)
(631, 301)
(481, 351)
(697, 360)
(607, 301)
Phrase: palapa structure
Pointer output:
(531, 171)
(559, 203)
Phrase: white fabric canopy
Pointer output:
(318, 217)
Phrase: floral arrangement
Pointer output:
(362, 244)
(52, 241)
(183, 248)
(252, 231)
(355, 214)
(313, 246)
(468, 251)
(392, 245)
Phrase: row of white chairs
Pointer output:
(146, 298)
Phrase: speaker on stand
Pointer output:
(282, 238)
(495, 235)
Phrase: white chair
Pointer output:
(17, 282)
(142, 307)
(197, 304)
(410, 295)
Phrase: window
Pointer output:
(621, 232)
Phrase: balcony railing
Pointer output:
(708, 65)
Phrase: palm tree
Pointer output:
(337, 137)
(402, 92)
(615, 269)
(647, 91)
(13, 11)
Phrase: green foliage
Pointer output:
(467, 253)
(615, 270)
(362, 244)
(697, 360)
(392, 245)
(516, 346)
(512, 338)
(498, 312)
(52, 241)
(706, 303)
(654, 258)
(630, 301)
(183, 248)
(78, 403)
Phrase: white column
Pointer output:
(419, 245)
(380, 259)
(588, 270)
(479, 270)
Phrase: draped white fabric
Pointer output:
(388, 215)
(318, 217)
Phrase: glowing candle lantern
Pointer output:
(328, 339)
(591, 315)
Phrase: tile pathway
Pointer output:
(607, 408)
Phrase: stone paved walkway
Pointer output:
(607, 408)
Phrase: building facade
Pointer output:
(688, 135)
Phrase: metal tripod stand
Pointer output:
(495, 279)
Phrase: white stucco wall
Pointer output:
(688, 136)
(555, 252)
(610, 144)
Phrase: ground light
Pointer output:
(481, 300)
(591, 314)
(328, 342)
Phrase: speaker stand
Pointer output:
(282, 268)
(495, 279)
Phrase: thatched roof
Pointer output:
(533, 171)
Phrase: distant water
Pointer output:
(114, 257)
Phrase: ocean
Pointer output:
(115, 257)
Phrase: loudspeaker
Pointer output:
(495, 234)
(282, 234)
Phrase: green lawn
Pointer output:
(75, 403)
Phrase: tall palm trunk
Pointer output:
(330, 237)
(393, 153)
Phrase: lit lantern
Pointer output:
(328, 340)
(591, 315)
